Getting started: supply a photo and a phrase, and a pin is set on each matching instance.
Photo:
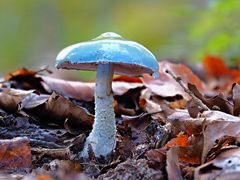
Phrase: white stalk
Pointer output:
(103, 136)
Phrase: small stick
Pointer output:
(36, 142)
(195, 99)
(63, 153)
(140, 116)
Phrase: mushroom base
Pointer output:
(102, 139)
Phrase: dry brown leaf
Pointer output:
(59, 169)
(225, 166)
(173, 167)
(226, 142)
(119, 88)
(62, 108)
(149, 105)
(236, 99)
(72, 89)
(10, 98)
(57, 109)
(83, 90)
(189, 150)
(33, 100)
(182, 122)
(219, 102)
(193, 109)
(216, 130)
(127, 103)
(156, 157)
(25, 79)
(15, 154)
(214, 124)
(166, 86)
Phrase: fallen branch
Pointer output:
(194, 98)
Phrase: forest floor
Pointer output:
(183, 125)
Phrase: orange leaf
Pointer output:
(20, 73)
(181, 140)
(44, 177)
(190, 148)
(215, 66)
(127, 79)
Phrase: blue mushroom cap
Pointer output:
(127, 57)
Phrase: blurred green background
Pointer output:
(32, 32)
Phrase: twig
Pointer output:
(41, 143)
(194, 98)
(63, 153)
(140, 116)
(44, 68)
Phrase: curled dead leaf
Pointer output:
(149, 105)
(15, 154)
(10, 98)
(23, 72)
(181, 121)
(213, 124)
(225, 166)
(25, 79)
(216, 130)
(57, 109)
(166, 86)
(63, 108)
(218, 102)
(33, 100)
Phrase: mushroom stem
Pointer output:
(103, 136)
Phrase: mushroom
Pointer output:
(109, 53)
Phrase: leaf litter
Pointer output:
(179, 126)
